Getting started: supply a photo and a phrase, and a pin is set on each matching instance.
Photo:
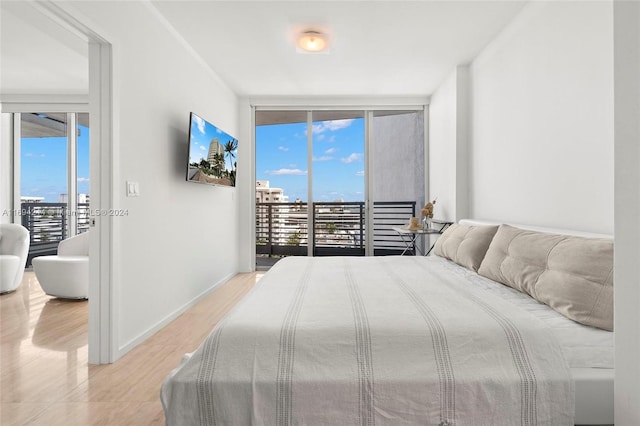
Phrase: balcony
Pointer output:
(338, 228)
(48, 224)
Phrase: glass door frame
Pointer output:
(72, 159)
(368, 111)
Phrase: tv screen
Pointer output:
(212, 154)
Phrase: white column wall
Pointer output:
(448, 146)
(442, 148)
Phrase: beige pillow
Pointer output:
(465, 244)
(573, 275)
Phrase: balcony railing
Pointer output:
(337, 228)
(48, 224)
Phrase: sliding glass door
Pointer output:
(396, 175)
(53, 177)
(338, 165)
(282, 222)
(335, 182)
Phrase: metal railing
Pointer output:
(48, 224)
(337, 228)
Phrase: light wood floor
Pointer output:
(44, 375)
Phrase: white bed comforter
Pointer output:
(364, 341)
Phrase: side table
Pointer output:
(409, 236)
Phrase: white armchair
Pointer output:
(67, 274)
(14, 247)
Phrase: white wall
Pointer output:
(541, 148)
(627, 211)
(448, 146)
(442, 148)
(179, 239)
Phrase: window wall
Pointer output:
(52, 177)
(334, 182)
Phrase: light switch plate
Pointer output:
(133, 189)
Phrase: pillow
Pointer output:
(465, 244)
(573, 275)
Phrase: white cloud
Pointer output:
(290, 172)
(360, 173)
(337, 124)
(352, 158)
(199, 123)
(83, 179)
(202, 147)
(283, 148)
(32, 155)
(323, 158)
(331, 151)
(331, 125)
(315, 129)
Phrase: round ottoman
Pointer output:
(63, 276)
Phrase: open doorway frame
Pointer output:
(102, 346)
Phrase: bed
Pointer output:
(401, 340)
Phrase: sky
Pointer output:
(338, 159)
(43, 166)
(281, 158)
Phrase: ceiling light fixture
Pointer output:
(312, 42)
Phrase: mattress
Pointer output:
(587, 351)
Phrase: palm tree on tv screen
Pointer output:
(230, 149)
(218, 165)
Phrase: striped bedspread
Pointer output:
(365, 341)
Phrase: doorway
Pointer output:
(58, 24)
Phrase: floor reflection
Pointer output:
(44, 371)
(41, 338)
(14, 314)
(59, 326)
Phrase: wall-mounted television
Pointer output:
(212, 154)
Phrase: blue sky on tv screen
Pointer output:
(202, 135)
(337, 159)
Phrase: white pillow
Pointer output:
(465, 245)
(573, 275)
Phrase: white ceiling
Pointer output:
(378, 47)
(39, 56)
